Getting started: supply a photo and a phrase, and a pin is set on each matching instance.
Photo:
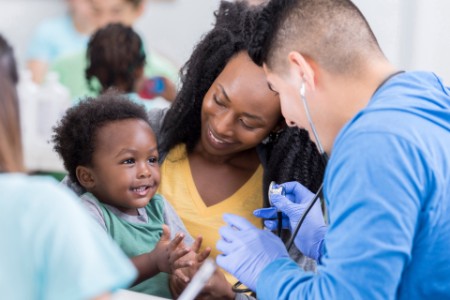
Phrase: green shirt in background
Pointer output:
(71, 69)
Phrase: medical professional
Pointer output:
(387, 182)
(51, 249)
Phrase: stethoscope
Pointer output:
(279, 190)
(319, 191)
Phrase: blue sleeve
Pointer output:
(373, 188)
(82, 261)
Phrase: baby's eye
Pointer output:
(153, 160)
(128, 161)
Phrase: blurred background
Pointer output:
(412, 33)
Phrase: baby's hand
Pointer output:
(183, 275)
(168, 253)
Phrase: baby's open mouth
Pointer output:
(141, 190)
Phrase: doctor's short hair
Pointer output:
(333, 33)
(74, 136)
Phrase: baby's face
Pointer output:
(125, 164)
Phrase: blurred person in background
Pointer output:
(72, 68)
(54, 250)
(60, 36)
(116, 59)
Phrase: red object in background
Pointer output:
(152, 88)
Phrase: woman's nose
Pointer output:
(224, 124)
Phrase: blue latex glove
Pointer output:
(269, 215)
(247, 250)
(310, 236)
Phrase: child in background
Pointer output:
(72, 68)
(109, 148)
(116, 58)
(60, 36)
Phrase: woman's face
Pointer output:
(239, 110)
(116, 11)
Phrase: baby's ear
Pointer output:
(85, 177)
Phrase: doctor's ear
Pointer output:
(85, 177)
(304, 68)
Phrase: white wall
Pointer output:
(174, 27)
(412, 33)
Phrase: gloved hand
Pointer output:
(310, 236)
(247, 250)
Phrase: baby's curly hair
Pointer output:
(115, 53)
(75, 134)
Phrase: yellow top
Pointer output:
(178, 187)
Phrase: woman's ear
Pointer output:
(85, 177)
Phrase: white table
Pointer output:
(129, 295)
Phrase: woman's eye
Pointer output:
(128, 161)
(217, 100)
(246, 125)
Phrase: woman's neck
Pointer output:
(247, 159)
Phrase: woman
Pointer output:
(51, 254)
(221, 132)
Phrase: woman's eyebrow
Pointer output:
(224, 93)
(248, 115)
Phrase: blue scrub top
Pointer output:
(387, 188)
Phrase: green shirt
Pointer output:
(71, 70)
(137, 238)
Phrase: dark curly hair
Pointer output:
(115, 53)
(75, 134)
(291, 155)
(182, 123)
(294, 157)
